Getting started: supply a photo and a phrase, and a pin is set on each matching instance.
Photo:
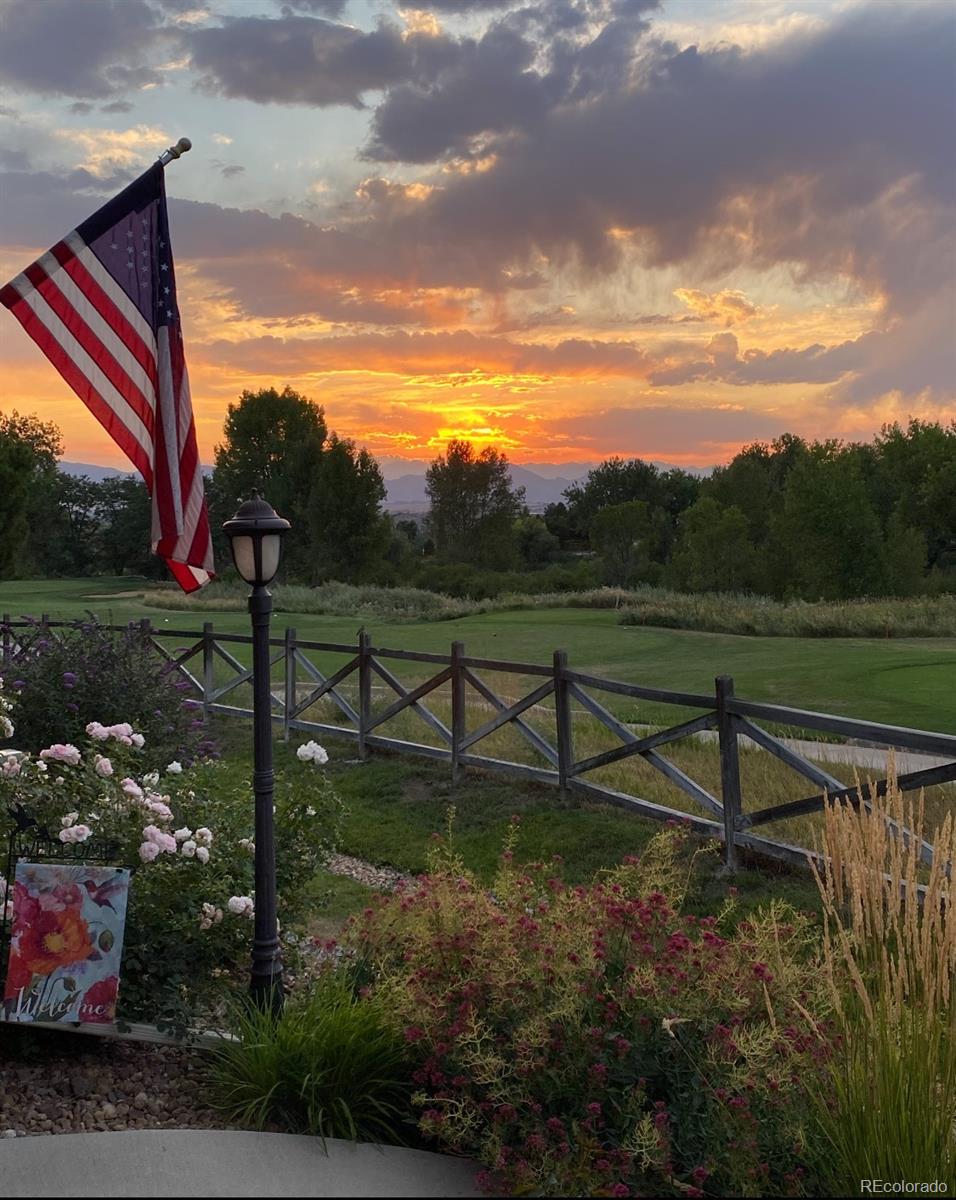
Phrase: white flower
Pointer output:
(248, 844)
(138, 740)
(312, 752)
(202, 854)
(174, 768)
(204, 836)
(188, 849)
(59, 780)
(69, 819)
(242, 906)
(182, 835)
(151, 779)
(310, 811)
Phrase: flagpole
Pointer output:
(176, 151)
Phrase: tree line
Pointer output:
(788, 518)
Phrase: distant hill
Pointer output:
(544, 483)
(97, 474)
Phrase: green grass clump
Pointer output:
(759, 616)
(330, 1066)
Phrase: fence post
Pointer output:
(289, 681)
(562, 714)
(457, 707)
(208, 663)
(365, 690)
(7, 641)
(729, 768)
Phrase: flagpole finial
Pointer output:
(176, 151)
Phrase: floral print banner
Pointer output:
(66, 943)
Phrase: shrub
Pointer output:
(187, 839)
(590, 1040)
(890, 959)
(60, 682)
(330, 1066)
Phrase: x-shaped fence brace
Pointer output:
(730, 717)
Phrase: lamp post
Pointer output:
(255, 536)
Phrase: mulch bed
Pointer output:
(53, 1082)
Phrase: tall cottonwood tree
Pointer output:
(273, 443)
(29, 449)
(474, 505)
(348, 531)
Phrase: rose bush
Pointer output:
(593, 1041)
(186, 837)
(86, 672)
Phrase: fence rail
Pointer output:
(733, 718)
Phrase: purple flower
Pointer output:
(70, 679)
(73, 707)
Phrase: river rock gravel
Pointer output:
(49, 1087)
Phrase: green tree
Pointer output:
(348, 533)
(125, 532)
(29, 449)
(827, 530)
(474, 506)
(619, 481)
(273, 443)
(905, 557)
(536, 543)
(714, 552)
(624, 536)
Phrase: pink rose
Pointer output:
(148, 851)
(103, 766)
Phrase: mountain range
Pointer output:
(544, 483)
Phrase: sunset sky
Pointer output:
(569, 229)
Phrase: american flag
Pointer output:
(101, 305)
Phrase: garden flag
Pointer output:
(101, 305)
(66, 943)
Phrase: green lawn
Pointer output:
(900, 681)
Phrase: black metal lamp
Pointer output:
(255, 535)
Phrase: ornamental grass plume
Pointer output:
(889, 959)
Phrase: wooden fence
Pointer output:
(303, 684)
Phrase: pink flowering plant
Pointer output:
(186, 835)
(592, 1040)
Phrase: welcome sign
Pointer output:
(66, 943)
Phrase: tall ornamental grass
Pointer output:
(889, 956)
(330, 1066)
(712, 612)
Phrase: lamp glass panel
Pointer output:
(271, 548)
(244, 556)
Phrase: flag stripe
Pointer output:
(99, 384)
(143, 350)
(101, 304)
(99, 273)
(83, 385)
(99, 350)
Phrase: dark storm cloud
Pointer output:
(298, 59)
(813, 153)
(91, 50)
(523, 66)
(810, 364)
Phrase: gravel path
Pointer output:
(120, 1085)
(384, 879)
